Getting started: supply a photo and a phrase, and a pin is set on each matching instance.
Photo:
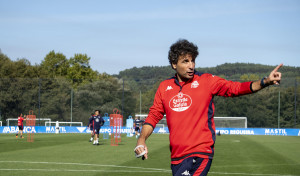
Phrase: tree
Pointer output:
(79, 70)
(249, 77)
(55, 65)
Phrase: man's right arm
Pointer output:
(146, 132)
(155, 115)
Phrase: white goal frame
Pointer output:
(141, 116)
(234, 118)
(161, 124)
(0, 123)
(16, 119)
(49, 123)
(163, 121)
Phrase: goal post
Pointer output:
(230, 122)
(220, 122)
(144, 116)
(160, 125)
(57, 122)
(15, 120)
(141, 116)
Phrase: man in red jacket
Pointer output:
(20, 125)
(189, 96)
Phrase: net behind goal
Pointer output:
(57, 123)
(230, 122)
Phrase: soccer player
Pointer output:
(91, 127)
(137, 123)
(187, 101)
(20, 125)
(97, 123)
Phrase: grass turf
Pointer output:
(72, 154)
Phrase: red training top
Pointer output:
(189, 110)
(20, 121)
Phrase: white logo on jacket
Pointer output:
(186, 172)
(194, 84)
(180, 102)
(169, 88)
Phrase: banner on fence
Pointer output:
(222, 131)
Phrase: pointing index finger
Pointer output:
(277, 68)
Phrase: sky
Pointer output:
(122, 34)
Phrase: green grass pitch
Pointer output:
(72, 154)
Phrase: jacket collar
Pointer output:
(178, 83)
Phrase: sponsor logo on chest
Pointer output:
(180, 102)
(194, 84)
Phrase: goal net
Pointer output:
(160, 125)
(220, 122)
(144, 116)
(57, 123)
(230, 122)
(14, 121)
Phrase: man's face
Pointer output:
(96, 113)
(185, 67)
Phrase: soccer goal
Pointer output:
(141, 116)
(14, 121)
(57, 123)
(144, 116)
(230, 122)
(160, 125)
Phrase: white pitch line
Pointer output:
(127, 171)
(84, 164)
(253, 165)
(73, 170)
(224, 173)
(127, 167)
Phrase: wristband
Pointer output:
(262, 83)
(141, 154)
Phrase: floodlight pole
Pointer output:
(295, 116)
(279, 109)
(39, 100)
(123, 99)
(140, 102)
(71, 103)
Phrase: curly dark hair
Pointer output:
(182, 47)
(98, 111)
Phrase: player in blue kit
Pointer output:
(137, 123)
(91, 127)
(97, 123)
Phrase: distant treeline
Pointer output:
(59, 88)
(63, 88)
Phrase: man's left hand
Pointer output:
(275, 76)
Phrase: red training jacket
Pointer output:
(189, 110)
(20, 121)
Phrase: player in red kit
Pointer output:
(20, 125)
(187, 101)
